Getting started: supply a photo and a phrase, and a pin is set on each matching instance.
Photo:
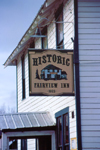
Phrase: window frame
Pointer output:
(61, 114)
(23, 77)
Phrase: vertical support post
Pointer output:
(53, 144)
(5, 142)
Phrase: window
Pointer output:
(62, 120)
(66, 132)
(44, 39)
(59, 27)
(23, 77)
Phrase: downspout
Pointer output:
(16, 89)
(77, 78)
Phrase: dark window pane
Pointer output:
(23, 88)
(60, 28)
(66, 130)
(23, 77)
(44, 39)
(23, 67)
(59, 131)
(44, 43)
(66, 147)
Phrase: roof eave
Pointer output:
(31, 30)
(11, 59)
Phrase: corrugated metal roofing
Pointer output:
(26, 120)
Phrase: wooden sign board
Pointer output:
(51, 72)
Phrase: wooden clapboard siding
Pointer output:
(31, 144)
(89, 60)
(52, 34)
(52, 104)
(19, 79)
(38, 43)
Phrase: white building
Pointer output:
(51, 116)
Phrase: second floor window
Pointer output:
(44, 39)
(59, 27)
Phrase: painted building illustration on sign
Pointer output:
(58, 84)
(51, 72)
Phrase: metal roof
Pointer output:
(26, 120)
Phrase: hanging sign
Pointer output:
(51, 72)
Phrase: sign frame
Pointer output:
(37, 51)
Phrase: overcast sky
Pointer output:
(15, 18)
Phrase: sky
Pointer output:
(15, 18)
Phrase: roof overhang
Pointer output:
(47, 10)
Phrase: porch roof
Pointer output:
(26, 120)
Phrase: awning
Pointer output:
(26, 120)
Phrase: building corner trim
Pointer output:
(77, 79)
